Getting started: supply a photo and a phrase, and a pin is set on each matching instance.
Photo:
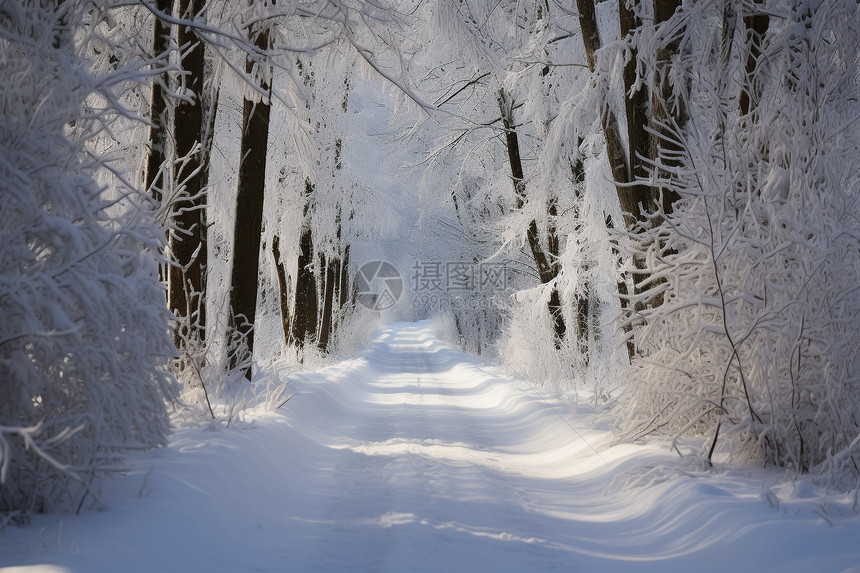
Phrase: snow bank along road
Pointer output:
(415, 457)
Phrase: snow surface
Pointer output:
(416, 457)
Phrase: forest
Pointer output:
(649, 207)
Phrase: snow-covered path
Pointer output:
(416, 457)
(437, 463)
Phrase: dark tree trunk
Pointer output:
(335, 285)
(249, 211)
(668, 113)
(636, 108)
(553, 246)
(626, 164)
(590, 34)
(638, 202)
(305, 308)
(332, 280)
(344, 279)
(185, 277)
(547, 268)
(583, 315)
(542, 262)
(727, 40)
(618, 162)
(555, 311)
(153, 179)
(756, 25)
(283, 289)
(332, 272)
(583, 302)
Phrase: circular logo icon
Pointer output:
(379, 285)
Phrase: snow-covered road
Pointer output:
(436, 464)
(416, 457)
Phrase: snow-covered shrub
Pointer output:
(83, 335)
(757, 340)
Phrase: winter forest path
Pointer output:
(436, 460)
(427, 460)
(416, 457)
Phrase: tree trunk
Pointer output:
(621, 173)
(636, 108)
(626, 165)
(332, 272)
(615, 151)
(547, 269)
(542, 262)
(344, 279)
(283, 289)
(305, 308)
(583, 315)
(584, 309)
(727, 40)
(153, 179)
(756, 25)
(553, 246)
(638, 202)
(332, 279)
(668, 113)
(185, 276)
(249, 210)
